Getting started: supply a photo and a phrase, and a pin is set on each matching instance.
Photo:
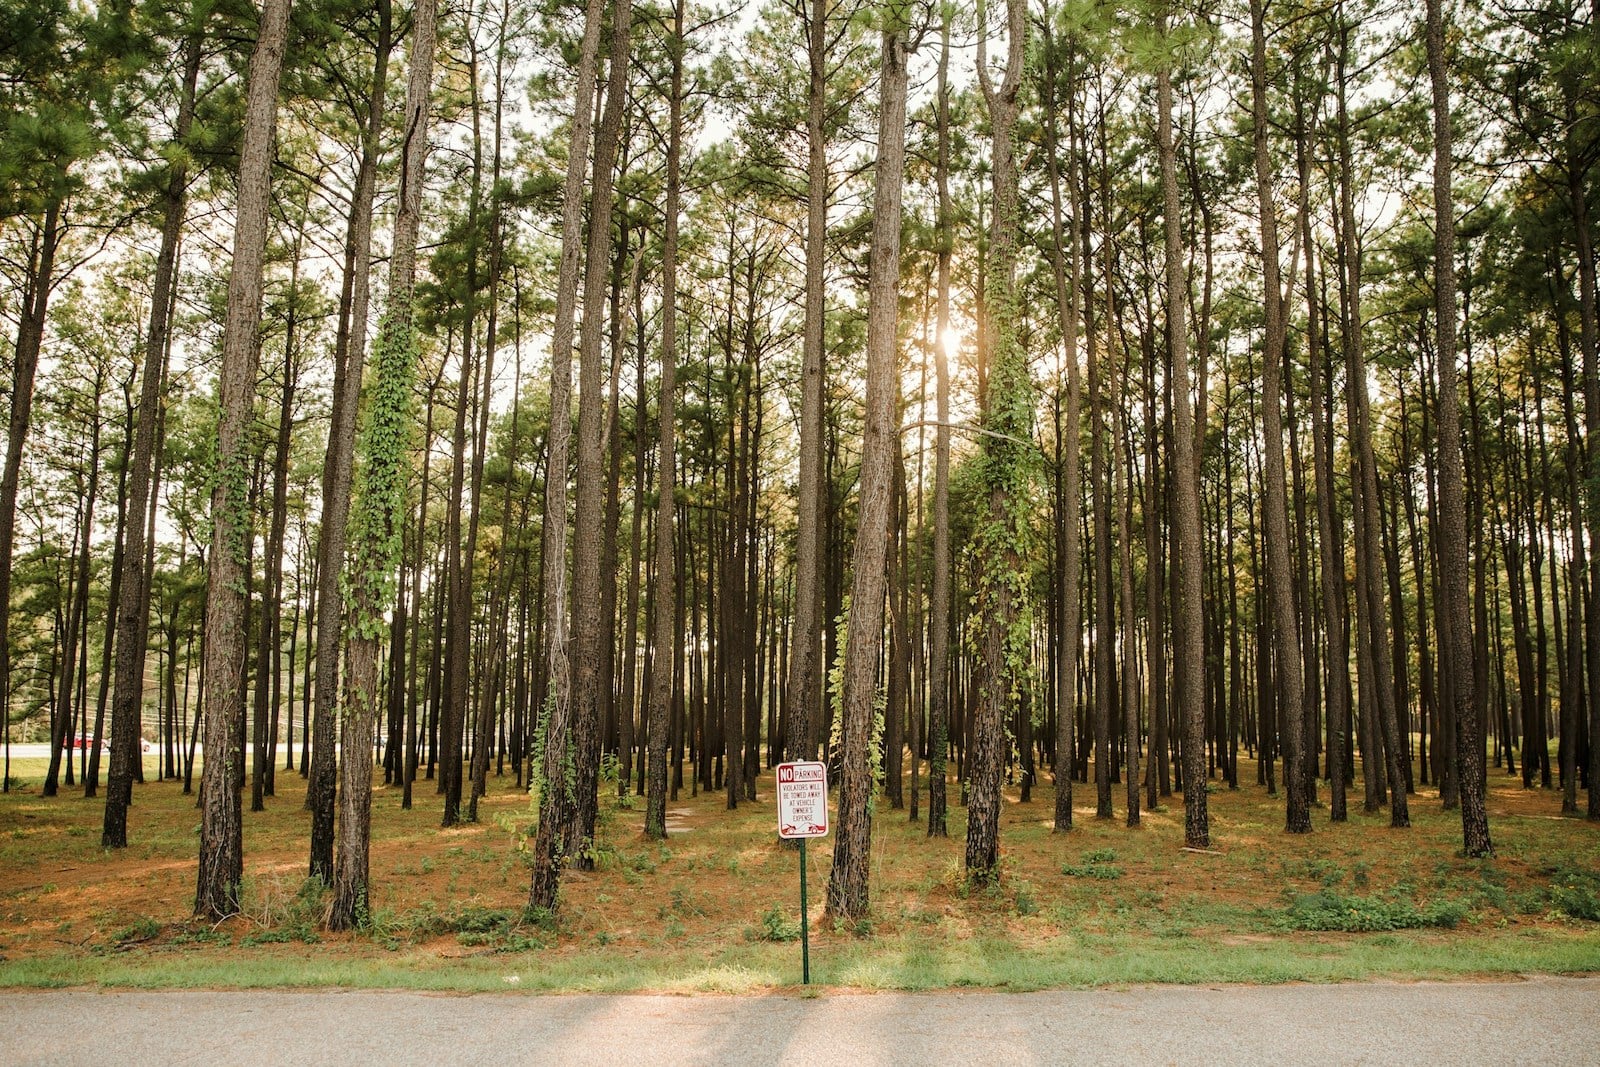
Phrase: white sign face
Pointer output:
(802, 800)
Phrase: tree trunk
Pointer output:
(349, 342)
(1452, 495)
(665, 634)
(588, 630)
(1065, 264)
(1189, 619)
(221, 866)
(378, 506)
(806, 668)
(847, 885)
(1285, 617)
(1006, 407)
(939, 596)
(556, 717)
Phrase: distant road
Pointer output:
(1541, 1020)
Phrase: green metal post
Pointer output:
(805, 929)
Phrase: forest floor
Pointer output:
(715, 907)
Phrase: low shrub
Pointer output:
(1331, 911)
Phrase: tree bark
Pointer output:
(337, 465)
(1452, 493)
(847, 885)
(378, 507)
(1006, 407)
(665, 634)
(1285, 617)
(588, 629)
(1189, 619)
(939, 596)
(805, 666)
(557, 714)
(221, 866)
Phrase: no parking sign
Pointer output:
(803, 813)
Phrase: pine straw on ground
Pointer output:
(1102, 903)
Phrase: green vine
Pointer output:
(1004, 539)
(379, 499)
(880, 703)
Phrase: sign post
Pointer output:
(803, 813)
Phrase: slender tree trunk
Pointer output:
(349, 344)
(588, 629)
(1285, 617)
(1336, 684)
(272, 588)
(939, 596)
(1380, 748)
(489, 688)
(63, 727)
(91, 780)
(1452, 502)
(378, 505)
(1105, 620)
(1065, 262)
(665, 633)
(847, 885)
(556, 719)
(24, 364)
(1189, 620)
(221, 847)
(456, 689)
(806, 668)
(1007, 416)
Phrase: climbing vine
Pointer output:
(379, 497)
(880, 703)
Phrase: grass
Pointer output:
(714, 909)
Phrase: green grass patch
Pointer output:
(1096, 863)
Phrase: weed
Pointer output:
(282, 916)
(1329, 910)
(1026, 904)
(474, 919)
(143, 928)
(1106, 871)
(1316, 869)
(201, 935)
(776, 926)
(682, 905)
(1576, 893)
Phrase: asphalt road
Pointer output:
(1541, 1020)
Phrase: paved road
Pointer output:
(1544, 1021)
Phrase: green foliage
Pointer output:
(473, 924)
(777, 926)
(1025, 901)
(1577, 901)
(281, 916)
(142, 929)
(1574, 891)
(1096, 863)
(1329, 910)
(378, 504)
(880, 702)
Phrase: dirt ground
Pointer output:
(722, 878)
